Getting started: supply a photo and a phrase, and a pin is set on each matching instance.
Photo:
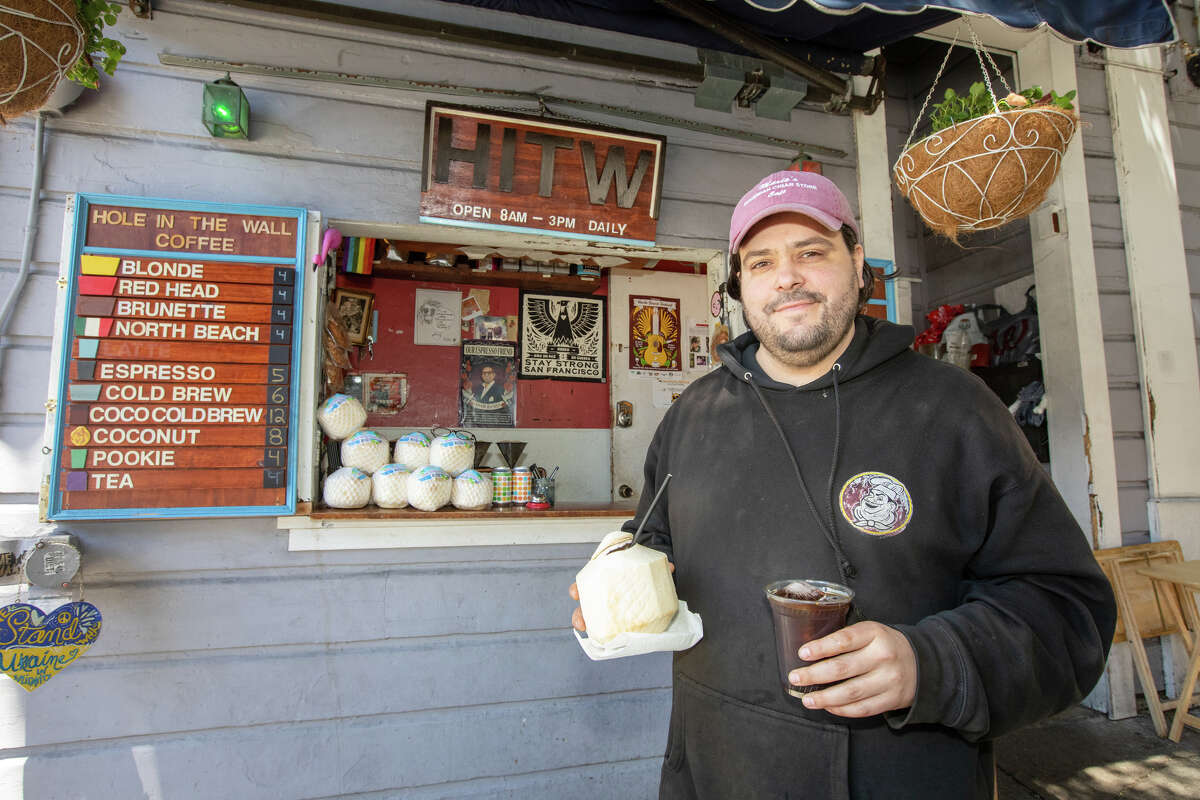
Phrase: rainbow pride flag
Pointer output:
(357, 256)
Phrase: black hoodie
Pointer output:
(918, 491)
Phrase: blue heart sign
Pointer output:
(35, 646)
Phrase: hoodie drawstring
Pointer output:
(845, 568)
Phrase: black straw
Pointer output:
(653, 503)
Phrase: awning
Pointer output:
(1115, 23)
(846, 27)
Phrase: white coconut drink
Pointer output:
(453, 452)
(625, 589)
(389, 486)
(340, 415)
(412, 450)
(366, 450)
(348, 487)
(471, 490)
(429, 488)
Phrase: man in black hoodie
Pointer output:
(826, 448)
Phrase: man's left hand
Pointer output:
(875, 665)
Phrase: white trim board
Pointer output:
(306, 533)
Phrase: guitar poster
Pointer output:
(655, 336)
(562, 337)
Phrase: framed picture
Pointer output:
(354, 307)
(385, 392)
(437, 317)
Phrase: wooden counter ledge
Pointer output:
(496, 512)
(384, 528)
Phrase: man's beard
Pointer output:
(807, 344)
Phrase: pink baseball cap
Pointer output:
(805, 192)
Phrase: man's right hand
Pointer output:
(577, 615)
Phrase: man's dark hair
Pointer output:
(734, 285)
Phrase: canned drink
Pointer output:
(502, 486)
(522, 482)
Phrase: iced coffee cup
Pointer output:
(804, 610)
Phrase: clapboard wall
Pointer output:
(1112, 281)
(1183, 109)
(229, 667)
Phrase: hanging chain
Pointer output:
(928, 97)
(981, 53)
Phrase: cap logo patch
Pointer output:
(876, 504)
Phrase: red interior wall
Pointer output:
(433, 370)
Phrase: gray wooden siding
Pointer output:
(1116, 314)
(227, 666)
(1184, 113)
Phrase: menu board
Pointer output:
(180, 362)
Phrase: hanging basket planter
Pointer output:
(987, 171)
(39, 41)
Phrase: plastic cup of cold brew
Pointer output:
(804, 610)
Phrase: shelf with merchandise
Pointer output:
(462, 273)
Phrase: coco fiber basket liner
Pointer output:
(39, 41)
(987, 171)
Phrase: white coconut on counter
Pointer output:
(471, 490)
(429, 488)
(389, 486)
(453, 452)
(366, 450)
(348, 487)
(340, 415)
(412, 450)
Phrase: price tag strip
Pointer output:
(179, 373)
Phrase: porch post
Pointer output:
(1083, 460)
(1158, 287)
(1163, 328)
(874, 172)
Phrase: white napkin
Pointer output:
(684, 631)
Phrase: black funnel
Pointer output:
(481, 449)
(511, 452)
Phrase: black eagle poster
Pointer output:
(562, 336)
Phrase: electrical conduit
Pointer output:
(31, 229)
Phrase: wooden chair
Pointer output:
(1145, 609)
(1175, 580)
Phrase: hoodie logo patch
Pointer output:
(876, 503)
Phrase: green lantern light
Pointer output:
(226, 112)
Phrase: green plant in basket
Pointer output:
(94, 16)
(977, 102)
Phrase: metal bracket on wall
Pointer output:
(493, 95)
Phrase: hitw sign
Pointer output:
(513, 172)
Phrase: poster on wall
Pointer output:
(437, 317)
(655, 346)
(488, 384)
(385, 392)
(698, 359)
(562, 337)
(493, 328)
